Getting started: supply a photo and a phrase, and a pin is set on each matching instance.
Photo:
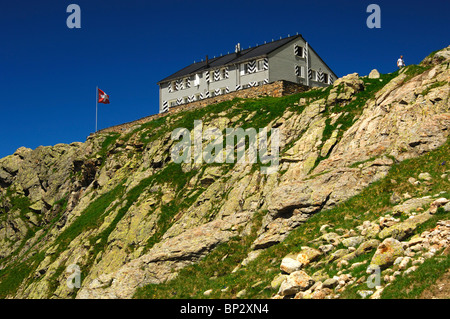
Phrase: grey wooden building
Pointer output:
(290, 59)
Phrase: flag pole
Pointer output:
(96, 107)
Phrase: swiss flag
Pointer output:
(103, 97)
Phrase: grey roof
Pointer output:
(258, 51)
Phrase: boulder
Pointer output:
(369, 229)
(438, 203)
(295, 282)
(338, 254)
(352, 241)
(387, 252)
(402, 230)
(308, 255)
(411, 205)
(208, 292)
(10, 164)
(425, 176)
(289, 265)
(330, 283)
(345, 88)
(447, 207)
(329, 144)
(395, 198)
(367, 246)
(374, 74)
(331, 238)
(437, 57)
(277, 281)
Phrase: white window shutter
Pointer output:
(242, 67)
(197, 80)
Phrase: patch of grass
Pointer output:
(356, 164)
(14, 275)
(151, 130)
(433, 86)
(414, 70)
(91, 217)
(212, 272)
(412, 285)
(109, 140)
(18, 201)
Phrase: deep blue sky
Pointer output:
(48, 72)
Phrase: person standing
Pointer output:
(400, 62)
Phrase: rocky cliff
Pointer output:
(134, 222)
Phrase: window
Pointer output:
(244, 68)
(218, 75)
(186, 83)
(197, 97)
(300, 71)
(298, 50)
(173, 103)
(197, 79)
(325, 78)
(173, 85)
(314, 75)
(252, 67)
(260, 65)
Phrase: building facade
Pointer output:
(290, 59)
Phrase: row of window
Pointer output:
(179, 84)
(197, 97)
(218, 75)
(314, 75)
(185, 83)
(212, 93)
(245, 68)
(258, 83)
(253, 66)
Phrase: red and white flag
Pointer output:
(103, 97)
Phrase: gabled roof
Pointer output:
(258, 51)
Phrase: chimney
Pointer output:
(207, 61)
(237, 48)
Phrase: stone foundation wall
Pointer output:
(275, 89)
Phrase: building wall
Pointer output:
(224, 85)
(193, 91)
(282, 64)
(254, 77)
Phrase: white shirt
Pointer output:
(400, 62)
